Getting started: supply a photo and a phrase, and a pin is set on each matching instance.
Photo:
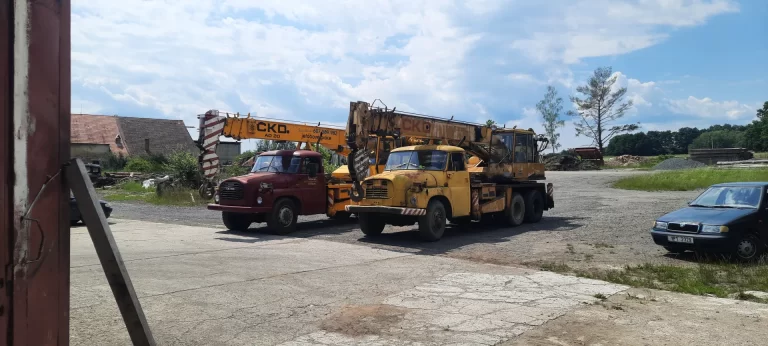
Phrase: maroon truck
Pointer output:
(282, 185)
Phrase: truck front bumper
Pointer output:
(239, 209)
(385, 210)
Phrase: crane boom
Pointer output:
(215, 124)
(491, 146)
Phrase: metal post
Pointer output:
(109, 255)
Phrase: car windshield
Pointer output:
(277, 164)
(430, 160)
(729, 197)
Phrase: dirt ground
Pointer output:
(592, 225)
(650, 317)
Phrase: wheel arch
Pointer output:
(446, 203)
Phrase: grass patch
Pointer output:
(134, 192)
(688, 180)
(718, 279)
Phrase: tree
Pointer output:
(719, 139)
(763, 112)
(600, 108)
(490, 122)
(550, 108)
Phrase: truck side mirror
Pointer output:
(312, 169)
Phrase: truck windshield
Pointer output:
(430, 160)
(278, 164)
(729, 197)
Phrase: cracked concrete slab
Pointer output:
(203, 286)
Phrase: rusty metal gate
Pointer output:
(35, 121)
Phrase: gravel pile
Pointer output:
(676, 163)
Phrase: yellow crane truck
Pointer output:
(465, 172)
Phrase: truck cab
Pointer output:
(282, 185)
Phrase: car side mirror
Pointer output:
(312, 169)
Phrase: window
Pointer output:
(276, 164)
(524, 148)
(432, 160)
(729, 197)
(305, 164)
(457, 162)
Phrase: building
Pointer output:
(93, 136)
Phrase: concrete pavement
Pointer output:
(206, 286)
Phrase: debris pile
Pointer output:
(677, 163)
(568, 162)
(625, 161)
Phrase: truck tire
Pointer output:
(432, 224)
(534, 206)
(236, 221)
(341, 216)
(516, 211)
(371, 224)
(282, 219)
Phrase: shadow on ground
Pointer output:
(406, 239)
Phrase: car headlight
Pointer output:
(660, 225)
(714, 229)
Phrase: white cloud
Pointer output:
(642, 94)
(582, 29)
(708, 108)
(307, 60)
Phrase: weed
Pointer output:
(570, 249)
(691, 179)
(555, 267)
(600, 296)
(617, 307)
(603, 246)
(588, 256)
(717, 279)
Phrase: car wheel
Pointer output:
(748, 248)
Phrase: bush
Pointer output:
(138, 164)
(719, 139)
(184, 167)
(112, 162)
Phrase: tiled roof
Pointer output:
(165, 136)
(96, 129)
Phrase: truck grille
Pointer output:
(378, 191)
(232, 190)
(683, 227)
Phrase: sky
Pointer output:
(683, 62)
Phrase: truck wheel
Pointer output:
(283, 218)
(516, 211)
(534, 206)
(341, 216)
(432, 224)
(236, 221)
(371, 224)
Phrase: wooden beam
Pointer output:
(109, 255)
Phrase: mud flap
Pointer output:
(550, 196)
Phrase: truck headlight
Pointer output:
(259, 200)
(714, 229)
(660, 225)
(216, 198)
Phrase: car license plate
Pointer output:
(678, 239)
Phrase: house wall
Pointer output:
(88, 151)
